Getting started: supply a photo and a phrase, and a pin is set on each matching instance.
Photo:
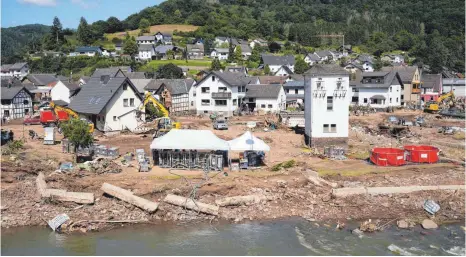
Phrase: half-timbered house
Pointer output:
(175, 94)
(16, 100)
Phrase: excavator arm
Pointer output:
(149, 98)
(445, 96)
(71, 113)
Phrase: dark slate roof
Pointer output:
(60, 103)
(390, 78)
(291, 97)
(221, 50)
(365, 58)
(313, 57)
(375, 74)
(9, 93)
(71, 85)
(136, 75)
(323, 53)
(245, 48)
(286, 69)
(6, 67)
(18, 66)
(153, 85)
(296, 77)
(232, 78)
(145, 47)
(111, 71)
(140, 84)
(431, 81)
(12, 82)
(271, 79)
(235, 69)
(263, 91)
(95, 95)
(178, 86)
(162, 49)
(85, 78)
(326, 69)
(41, 79)
(140, 38)
(87, 49)
(278, 60)
(406, 72)
(294, 84)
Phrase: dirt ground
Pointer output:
(292, 194)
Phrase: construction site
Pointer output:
(212, 176)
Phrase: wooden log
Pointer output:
(191, 204)
(129, 197)
(82, 198)
(41, 185)
(314, 178)
(52, 191)
(239, 200)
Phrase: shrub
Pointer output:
(277, 167)
(289, 164)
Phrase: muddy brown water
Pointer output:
(283, 237)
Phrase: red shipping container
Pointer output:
(387, 156)
(422, 153)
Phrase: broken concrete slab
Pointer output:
(347, 191)
(343, 192)
(129, 197)
(313, 177)
(240, 200)
(82, 198)
(191, 204)
(429, 224)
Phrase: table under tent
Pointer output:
(252, 151)
(190, 149)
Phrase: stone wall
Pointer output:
(321, 142)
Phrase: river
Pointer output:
(283, 237)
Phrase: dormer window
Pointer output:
(213, 78)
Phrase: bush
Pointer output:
(289, 164)
(277, 167)
(12, 147)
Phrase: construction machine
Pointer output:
(164, 123)
(434, 106)
(56, 114)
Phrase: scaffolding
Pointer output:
(190, 159)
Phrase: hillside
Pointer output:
(168, 28)
(14, 39)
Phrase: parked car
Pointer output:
(32, 120)
(220, 124)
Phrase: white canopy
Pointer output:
(187, 139)
(248, 142)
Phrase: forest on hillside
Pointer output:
(430, 30)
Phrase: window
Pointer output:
(262, 105)
(194, 93)
(326, 128)
(269, 106)
(397, 99)
(390, 100)
(192, 103)
(377, 80)
(354, 89)
(131, 102)
(206, 111)
(390, 89)
(222, 89)
(213, 78)
(333, 128)
(287, 91)
(432, 98)
(125, 86)
(114, 118)
(296, 91)
(205, 90)
(205, 102)
(329, 103)
(244, 88)
(6, 102)
(365, 100)
(221, 102)
(25, 102)
(26, 111)
(235, 102)
(354, 99)
(125, 102)
(239, 89)
(251, 100)
(6, 113)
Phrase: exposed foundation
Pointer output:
(321, 142)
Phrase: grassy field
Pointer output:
(154, 64)
(168, 28)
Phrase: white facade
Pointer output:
(17, 107)
(19, 73)
(206, 103)
(367, 67)
(282, 72)
(309, 61)
(146, 54)
(366, 96)
(327, 106)
(275, 68)
(219, 55)
(271, 104)
(60, 92)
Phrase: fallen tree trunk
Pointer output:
(239, 200)
(191, 204)
(83, 198)
(129, 197)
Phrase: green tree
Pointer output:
(378, 64)
(114, 25)
(84, 33)
(256, 54)
(169, 71)
(170, 54)
(177, 17)
(267, 70)
(144, 26)
(152, 112)
(300, 66)
(77, 132)
(215, 65)
(231, 52)
(404, 40)
(238, 57)
(130, 46)
(57, 32)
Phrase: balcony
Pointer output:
(221, 95)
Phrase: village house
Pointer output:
(345, 49)
(16, 100)
(18, 70)
(163, 38)
(87, 51)
(146, 51)
(326, 106)
(366, 62)
(145, 40)
(64, 91)
(176, 95)
(294, 91)
(221, 92)
(195, 51)
(240, 69)
(265, 98)
(457, 85)
(431, 87)
(219, 53)
(119, 45)
(325, 55)
(161, 52)
(283, 71)
(259, 42)
(275, 63)
(111, 103)
(246, 51)
(411, 77)
(40, 85)
(225, 41)
(312, 59)
(379, 89)
(113, 72)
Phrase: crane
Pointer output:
(164, 123)
(60, 110)
(433, 106)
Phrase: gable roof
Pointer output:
(41, 79)
(431, 81)
(140, 84)
(136, 75)
(230, 78)
(326, 69)
(323, 53)
(111, 71)
(145, 38)
(71, 86)
(162, 49)
(298, 77)
(286, 69)
(271, 79)
(245, 48)
(313, 57)
(11, 82)
(277, 60)
(8, 93)
(221, 50)
(88, 49)
(18, 66)
(365, 58)
(195, 47)
(389, 78)
(406, 72)
(146, 47)
(6, 67)
(263, 91)
(294, 84)
(236, 69)
(177, 86)
(95, 95)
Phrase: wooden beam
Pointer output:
(129, 197)
(191, 204)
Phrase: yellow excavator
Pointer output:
(61, 116)
(164, 123)
(434, 106)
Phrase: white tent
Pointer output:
(248, 142)
(187, 139)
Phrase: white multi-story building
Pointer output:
(275, 62)
(265, 98)
(326, 106)
(377, 89)
(145, 40)
(146, 51)
(294, 91)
